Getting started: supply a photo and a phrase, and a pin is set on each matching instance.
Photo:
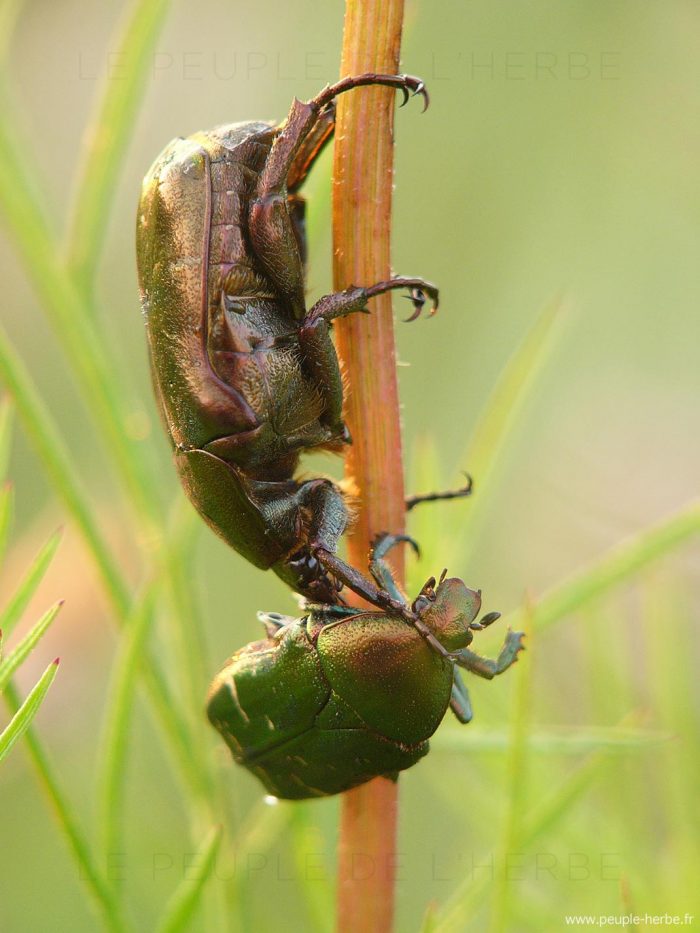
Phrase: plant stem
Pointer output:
(362, 195)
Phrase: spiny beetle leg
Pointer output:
(460, 703)
(354, 299)
(301, 138)
(404, 83)
(320, 358)
(461, 493)
(311, 148)
(486, 667)
(419, 289)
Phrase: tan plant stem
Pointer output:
(362, 196)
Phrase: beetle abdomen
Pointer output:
(322, 762)
(281, 719)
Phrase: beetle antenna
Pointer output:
(485, 621)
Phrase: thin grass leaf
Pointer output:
(314, 884)
(517, 776)
(466, 899)
(18, 655)
(6, 496)
(266, 823)
(108, 135)
(88, 868)
(70, 316)
(7, 501)
(496, 426)
(47, 441)
(187, 895)
(7, 412)
(454, 915)
(621, 563)
(9, 14)
(111, 781)
(28, 585)
(49, 444)
(28, 710)
(572, 740)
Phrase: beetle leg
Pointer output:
(355, 298)
(273, 622)
(380, 569)
(461, 493)
(362, 586)
(404, 83)
(271, 229)
(486, 667)
(320, 358)
(303, 117)
(311, 148)
(460, 703)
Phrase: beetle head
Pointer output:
(448, 610)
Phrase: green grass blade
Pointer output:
(115, 732)
(187, 895)
(69, 314)
(27, 711)
(621, 563)
(6, 516)
(28, 585)
(7, 411)
(454, 915)
(496, 426)
(108, 136)
(87, 865)
(315, 886)
(17, 656)
(46, 439)
(576, 740)
(9, 14)
(48, 443)
(517, 776)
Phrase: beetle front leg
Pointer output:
(380, 569)
(460, 704)
(486, 667)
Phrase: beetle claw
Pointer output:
(417, 88)
(417, 296)
(423, 92)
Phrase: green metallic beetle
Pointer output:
(246, 377)
(341, 695)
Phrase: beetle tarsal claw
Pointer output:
(417, 297)
(423, 92)
(417, 88)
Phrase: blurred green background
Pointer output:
(557, 165)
